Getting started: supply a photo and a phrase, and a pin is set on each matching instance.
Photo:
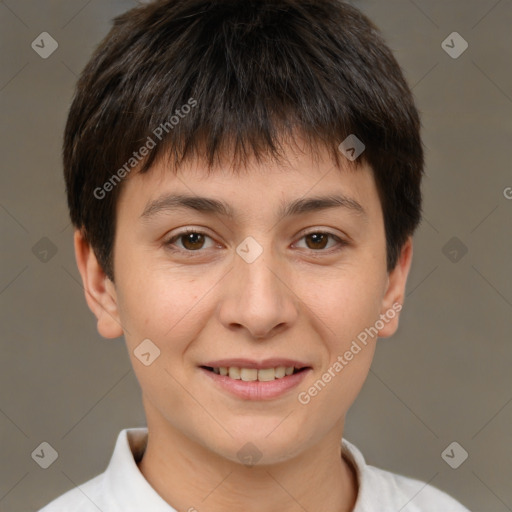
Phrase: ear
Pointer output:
(100, 292)
(395, 292)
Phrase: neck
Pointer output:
(189, 476)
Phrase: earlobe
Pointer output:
(100, 292)
(395, 293)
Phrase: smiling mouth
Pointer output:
(254, 374)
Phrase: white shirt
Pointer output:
(123, 488)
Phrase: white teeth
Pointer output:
(266, 374)
(234, 372)
(252, 374)
(280, 372)
(248, 374)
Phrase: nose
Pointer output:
(259, 298)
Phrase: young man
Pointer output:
(244, 180)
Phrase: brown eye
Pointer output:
(192, 241)
(318, 240)
(188, 241)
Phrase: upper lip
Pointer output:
(260, 365)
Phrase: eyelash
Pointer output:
(169, 243)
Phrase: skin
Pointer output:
(287, 303)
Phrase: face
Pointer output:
(255, 285)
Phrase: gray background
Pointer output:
(445, 376)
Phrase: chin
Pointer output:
(257, 442)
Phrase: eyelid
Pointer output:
(169, 242)
(341, 241)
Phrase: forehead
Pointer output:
(263, 186)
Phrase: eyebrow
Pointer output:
(171, 202)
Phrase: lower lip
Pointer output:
(256, 390)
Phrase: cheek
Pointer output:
(345, 302)
(347, 308)
(160, 304)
